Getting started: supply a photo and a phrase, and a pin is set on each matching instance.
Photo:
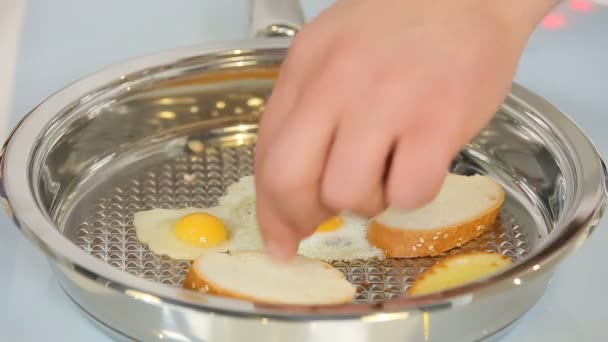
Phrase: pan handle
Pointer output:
(275, 18)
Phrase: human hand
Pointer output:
(374, 100)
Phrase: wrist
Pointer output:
(519, 18)
(525, 14)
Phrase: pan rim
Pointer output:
(30, 218)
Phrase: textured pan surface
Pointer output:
(198, 179)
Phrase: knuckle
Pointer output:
(300, 46)
(343, 57)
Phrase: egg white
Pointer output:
(155, 228)
(348, 242)
(236, 209)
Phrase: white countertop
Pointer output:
(63, 40)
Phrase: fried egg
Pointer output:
(232, 226)
(184, 233)
(341, 237)
(190, 232)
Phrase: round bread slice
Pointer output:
(457, 270)
(256, 277)
(465, 208)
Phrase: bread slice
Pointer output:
(457, 270)
(256, 277)
(465, 208)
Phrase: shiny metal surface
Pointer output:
(275, 18)
(157, 136)
(143, 317)
(175, 129)
(553, 67)
(193, 179)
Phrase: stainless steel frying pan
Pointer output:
(174, 129)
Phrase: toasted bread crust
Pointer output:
(445, 263)
(195, 280)
(404, 243)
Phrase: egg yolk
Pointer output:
(330, 224)
(201, 229)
